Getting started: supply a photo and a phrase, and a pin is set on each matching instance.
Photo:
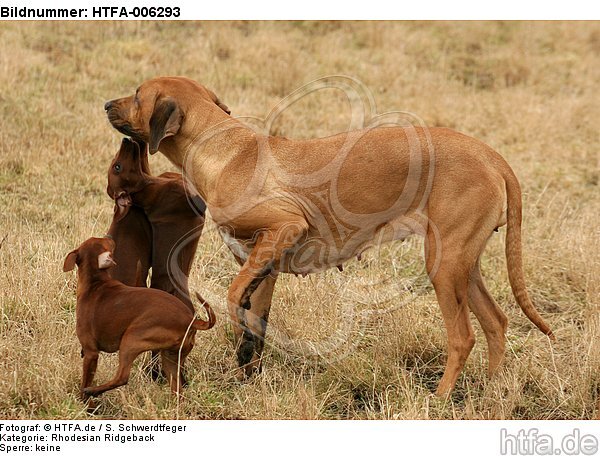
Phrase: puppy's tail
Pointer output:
(203, 325)
(514, 258)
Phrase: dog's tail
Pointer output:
(514, 258)
(203, 325)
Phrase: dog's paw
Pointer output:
(88, 392)
(245, 303)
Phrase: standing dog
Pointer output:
(115, 317)
(301, 206)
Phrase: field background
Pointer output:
(530, 90)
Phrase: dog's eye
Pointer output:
(117, 167)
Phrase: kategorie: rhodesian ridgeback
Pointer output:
(301, 206)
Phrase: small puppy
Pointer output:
(114, 317)
(133, 251)
(174, 210)
(155, 216)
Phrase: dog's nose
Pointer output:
(107, 105)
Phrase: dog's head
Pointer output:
(158, 108)
(94, 254)
(127, 174)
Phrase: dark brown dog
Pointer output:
(132, 234)
(141, 244)
(174, 211)
(112, 316)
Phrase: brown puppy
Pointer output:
(132, 234)
(175, 214)
(112, 316)
(301, 206)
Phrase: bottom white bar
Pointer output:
(300, 437)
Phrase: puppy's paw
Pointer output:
(245, 303)
(89, 392)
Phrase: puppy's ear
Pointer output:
(70, 261)
(218, 102)
(165, 121)
(105, 260)
(119, 213)
(123, 203)
(143, 151)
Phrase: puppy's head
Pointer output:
(158, 108)
(127, 174)
(93, 254)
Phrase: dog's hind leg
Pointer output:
(450, 281)
(173, 364)
(492, 319)
(127, 354)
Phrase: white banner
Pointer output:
(307, 9)
(300, 437)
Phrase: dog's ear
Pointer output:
(70, 261)
(165, 121)
(143, 151)
(223, 106)
(119, 212)
(218, 102)
(105, 260)
(123, 203)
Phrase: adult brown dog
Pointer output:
(112, 316)
(301, 206)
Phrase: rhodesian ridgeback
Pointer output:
(174, 211)
(301, 206)
(132, 234)
(158, 221)
(114, 317)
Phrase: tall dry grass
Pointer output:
(528, 89)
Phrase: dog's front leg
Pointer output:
(256, 323)
(263, 262)
(90, 362)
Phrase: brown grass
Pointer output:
(528, 89)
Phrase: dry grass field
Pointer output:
(529, 89)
